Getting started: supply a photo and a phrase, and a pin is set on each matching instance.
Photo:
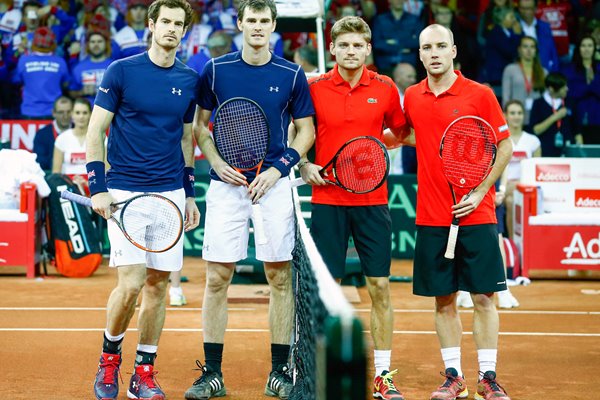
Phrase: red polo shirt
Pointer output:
(343, 113)
(429, 116)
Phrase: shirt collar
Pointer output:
(453, 90)
(338, 80)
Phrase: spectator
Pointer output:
(362, 8)
(558, 14)
(69, 148)
(43, 141)
(42, 74)
(443, 15)
(77, 48)
(486, 20)
(550, 117)
(583, 80)
(403, 160)
(395, 37)
(133, 38)
(196, 36)
(593, 29)
(87, 74)
(35, 15)
(501, 48)
(308, 58)
(523, 80)
(525, 145)
(541, 31)
(218, 44)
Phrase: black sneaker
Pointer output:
(210, 384)
(279, 383)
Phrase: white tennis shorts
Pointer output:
(123, 253)
(227, 223)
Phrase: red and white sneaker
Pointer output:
(489, 389)
(384, 388)
(453, 388)
(143, 385)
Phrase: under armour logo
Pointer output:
(118, 253)
(455, 111)
(273, 89)
(176, 91)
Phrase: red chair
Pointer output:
(19, 233)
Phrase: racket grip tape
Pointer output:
(76, 198)
(297, 182)
(452, 236)
(260, 237)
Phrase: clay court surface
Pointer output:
(51, 330)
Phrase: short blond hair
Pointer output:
(351, 24)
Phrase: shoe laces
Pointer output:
(450, 379)
(205, 372)
(492, 383)
(387, 380)
(109, 371)
(149, 378)
(284, 374)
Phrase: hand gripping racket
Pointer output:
(360, 166)
(242, 136)
(468, 152)
(150, 222)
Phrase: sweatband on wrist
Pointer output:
(188, 182)
(289, 158)
(96, 177)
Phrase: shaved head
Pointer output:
(437, 27)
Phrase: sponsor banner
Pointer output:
(569, 247)
(559, 181)
(587, 198)
(19, 134)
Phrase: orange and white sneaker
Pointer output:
(384, 387)
(489, 389)
(453, 388)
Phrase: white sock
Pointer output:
(451, 357)
(175, 291)
(487, 360)
(147, 348)
(382, 360)
(113, 338)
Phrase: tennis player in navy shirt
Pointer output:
(149, 101)
(281, 90)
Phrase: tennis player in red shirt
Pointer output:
(430, 106)
(352, 101)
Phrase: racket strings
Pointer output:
(241, 134)
(361, 165)
(152, 222)
(468, 152)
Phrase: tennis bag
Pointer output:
(513, 259)
(73, 240)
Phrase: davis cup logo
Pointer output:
(553, 173)
(587, 198)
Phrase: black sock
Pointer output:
(280, 354)
(111, 347)
(213, 355)
(143, 358)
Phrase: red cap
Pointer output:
(44, 38)
(99, 23)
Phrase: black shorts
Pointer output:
(476, 268)
(371, 229)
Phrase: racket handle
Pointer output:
(76, 198)
(297, 182)
(452, 236)
(260, 236)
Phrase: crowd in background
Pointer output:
(544, 53)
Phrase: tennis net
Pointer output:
(328, 354)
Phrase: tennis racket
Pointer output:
(242, 137)
(360, 166)
(468, 152)
(150, 222)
